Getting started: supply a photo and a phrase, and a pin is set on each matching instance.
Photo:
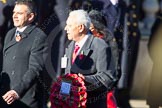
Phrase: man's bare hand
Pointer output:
(10, 96)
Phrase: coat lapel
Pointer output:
(10, 41)
(87, 51)
(69, 52)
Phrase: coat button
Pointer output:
(13, 57)
(13, 72)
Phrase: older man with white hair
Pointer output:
(94, 66)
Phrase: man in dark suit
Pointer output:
(95, 62)
(23, 60)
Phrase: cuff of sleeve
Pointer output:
(16, 94)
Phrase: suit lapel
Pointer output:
(88, 43)
(87, 51)
(69, 53)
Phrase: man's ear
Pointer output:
(31, 17)
(81, 28)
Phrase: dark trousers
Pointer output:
(97, 103)
(16, 104)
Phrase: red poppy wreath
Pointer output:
(68, 91)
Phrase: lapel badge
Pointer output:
(81, 55)
(18, 38)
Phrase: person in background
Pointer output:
(154, 96)
(94, 67)
(100, 30)
(122, 21)
(23, 60)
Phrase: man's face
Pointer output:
(21, 16)
(72, 28)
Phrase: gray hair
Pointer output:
(82, 17)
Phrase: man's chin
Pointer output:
(16, 25)
(69, 38)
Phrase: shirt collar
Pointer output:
(21, 29)
(81, 43)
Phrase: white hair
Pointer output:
(81, 17)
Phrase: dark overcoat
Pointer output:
(23, 63)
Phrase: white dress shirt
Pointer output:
(114, 2)
(81, 43)
(21, 29)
